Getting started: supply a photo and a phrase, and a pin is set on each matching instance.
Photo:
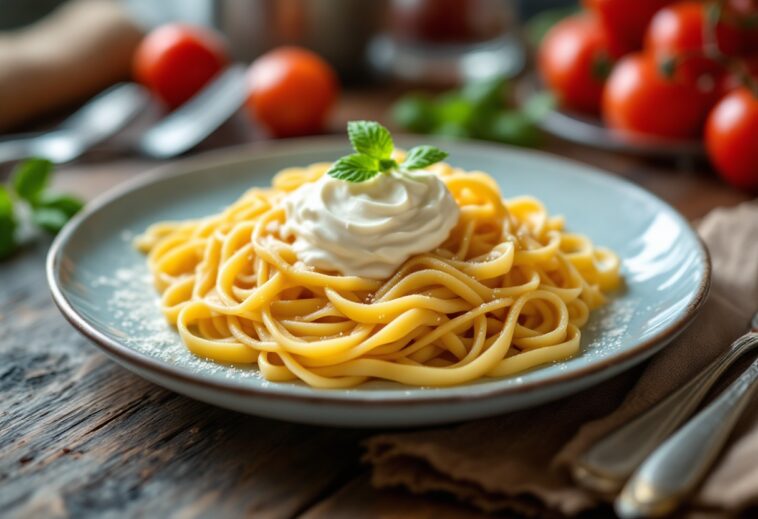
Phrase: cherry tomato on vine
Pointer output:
(638, 99)
(731, 137)
(176, 61)
(574, 61)
(290, 91)
(680, 28)
(731, 80)
(743, 14)
(625, 21)
(676, 36)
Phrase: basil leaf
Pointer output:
(67, 204)
(354, 168)
(31, 177)
(370, 138)
(51, 220)
(423, 156)
(7, 225)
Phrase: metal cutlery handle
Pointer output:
(198, 118)
(609, 463)
(678, 465)
(14, 149)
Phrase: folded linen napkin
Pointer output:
(83, 47)
(519, 461)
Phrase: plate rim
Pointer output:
(233, 154)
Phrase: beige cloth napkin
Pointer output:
(519, 461)
(78, 50)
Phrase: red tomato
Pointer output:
(291, 91)
(731, 137)
(574, 62)
(677, 31)
(743, 15)
(731, 80)
(175, 61)
(638, 99)
(625, 21)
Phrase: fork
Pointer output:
(608, 464)
(100, 118)
(112, 110)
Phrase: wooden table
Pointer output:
(80, 436)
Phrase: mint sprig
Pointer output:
(370, 138)
(374, 146)
(423, 156)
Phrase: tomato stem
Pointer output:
(713, 15)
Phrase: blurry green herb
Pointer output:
(51, 220)
(66, 204)
(31, 177)
(414, 112)
(7, 224)
(486, 94)
(452, 107)
(538, 25)
(478, 110)
(514, 127)
(374, 147)
(50, 211)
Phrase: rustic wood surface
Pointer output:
(82, 437)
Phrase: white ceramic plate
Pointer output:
(102, 285)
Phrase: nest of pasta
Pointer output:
(508, 290)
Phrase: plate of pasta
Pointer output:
(400, 282)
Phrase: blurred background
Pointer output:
(647, 89)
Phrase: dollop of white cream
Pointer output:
(368, 228)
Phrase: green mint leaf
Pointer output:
(387, 164)
(30, 178)
(354, 168)
(67, 204)
(370, 138)
(8, 243)
(51, 220)
(423, 156)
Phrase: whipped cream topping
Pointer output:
(368, 228)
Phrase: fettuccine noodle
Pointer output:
(507, 291)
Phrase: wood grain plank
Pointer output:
(82, 437)
(387, 504)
